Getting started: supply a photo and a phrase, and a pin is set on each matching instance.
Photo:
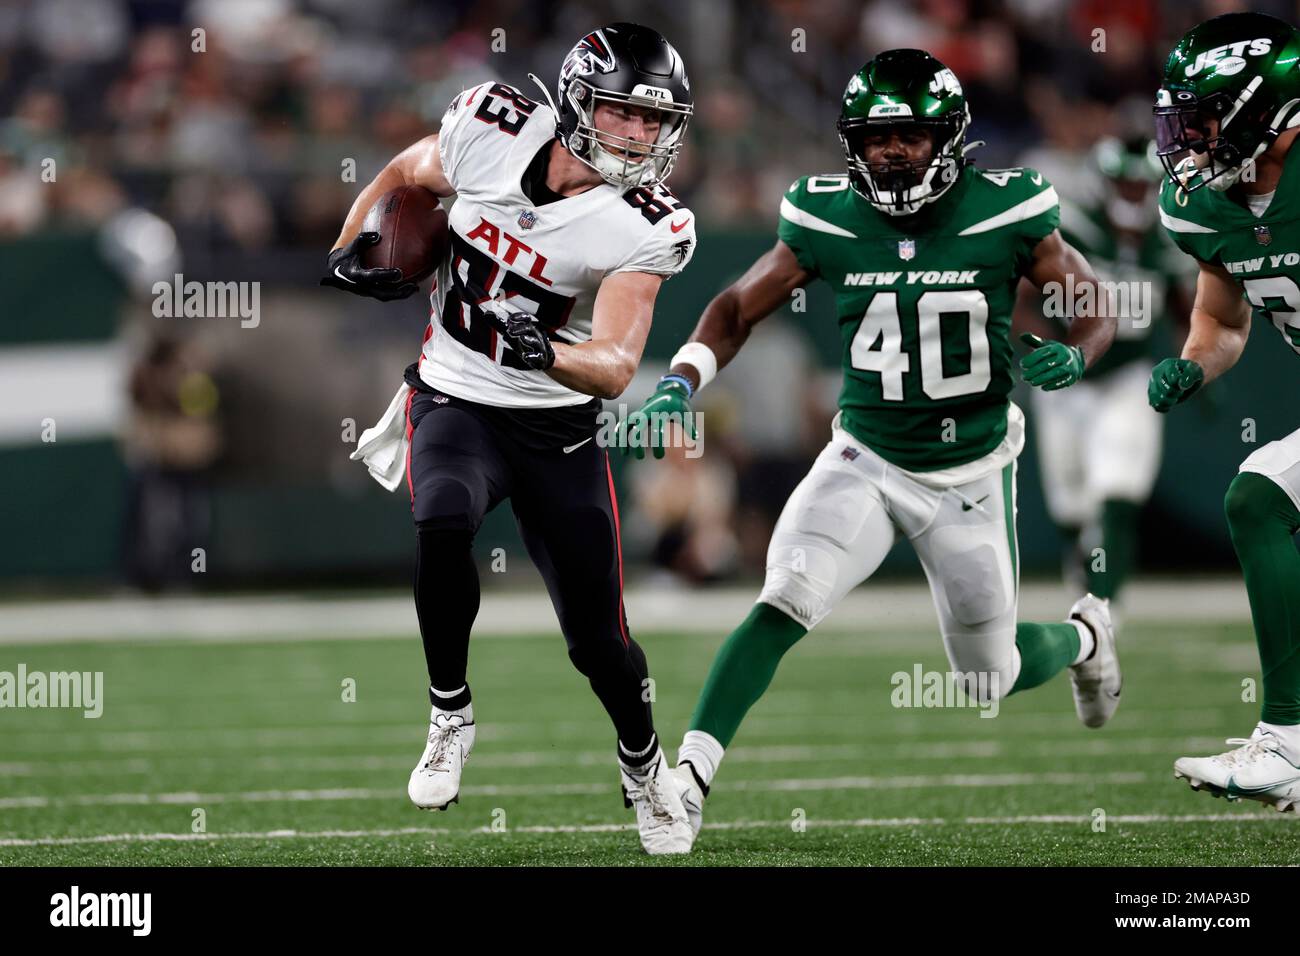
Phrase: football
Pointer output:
(413, 233)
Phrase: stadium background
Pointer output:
(227, 165)
(279, 694)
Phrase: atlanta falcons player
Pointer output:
(561, 234)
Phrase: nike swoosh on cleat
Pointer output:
(1232, 787)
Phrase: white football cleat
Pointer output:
(692, 793)
(1097, 681)
(435, 781)
(1254, 770)
(660, 817)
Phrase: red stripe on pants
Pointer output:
(618, 547)
(409, 432)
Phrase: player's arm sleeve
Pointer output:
(663, 252)
(790, 230)
(1038, 215)
(458, 132)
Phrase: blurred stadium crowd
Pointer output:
(223, 152)
(240, 147)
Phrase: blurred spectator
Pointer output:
(172, 439)
(774, 420)
(684, 507)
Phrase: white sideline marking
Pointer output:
(204, 837)
(942, 780)
(564, 789)
(776, 753)
(1141, 818)
(874, 612)
(911, 723)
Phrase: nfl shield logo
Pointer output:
(1262, 235)
(527, 219)
(906, 249)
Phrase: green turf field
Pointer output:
(825, 771)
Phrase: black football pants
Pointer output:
(461, 466)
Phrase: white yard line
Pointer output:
(874, 609)
(194, 798)
(883, 822)
(34, 743)
(942, 781)
(793, 753)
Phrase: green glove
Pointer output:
(671, 402)
(1051, 365)
(1173, 381)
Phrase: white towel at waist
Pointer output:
(383, 446)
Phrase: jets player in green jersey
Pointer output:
(1099, 443)
(1226, 116)
(924, 252)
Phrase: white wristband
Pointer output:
(699, 355)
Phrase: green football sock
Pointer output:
(742, 669)
(1045, 650)
(1263, 522)
(1119, 548)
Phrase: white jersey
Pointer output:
(548, 260)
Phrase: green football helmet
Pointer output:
(1130, 173)
(904, 88)
(1240, 71)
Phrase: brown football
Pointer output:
(413, 234)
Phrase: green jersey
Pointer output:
(924, 306)
(1149, 262)
(1261, 253)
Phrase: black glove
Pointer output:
(522, 334)
(346, 272)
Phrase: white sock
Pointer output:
(1288, 735)
(1086, 642)
(637, 759)
(704, 753)
(466, 712)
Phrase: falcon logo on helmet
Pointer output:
(904, 90)
(623, 64)
(591, 54)
(1231, 85)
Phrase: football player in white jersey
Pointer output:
(561, 235)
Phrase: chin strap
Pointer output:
(546, 93)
